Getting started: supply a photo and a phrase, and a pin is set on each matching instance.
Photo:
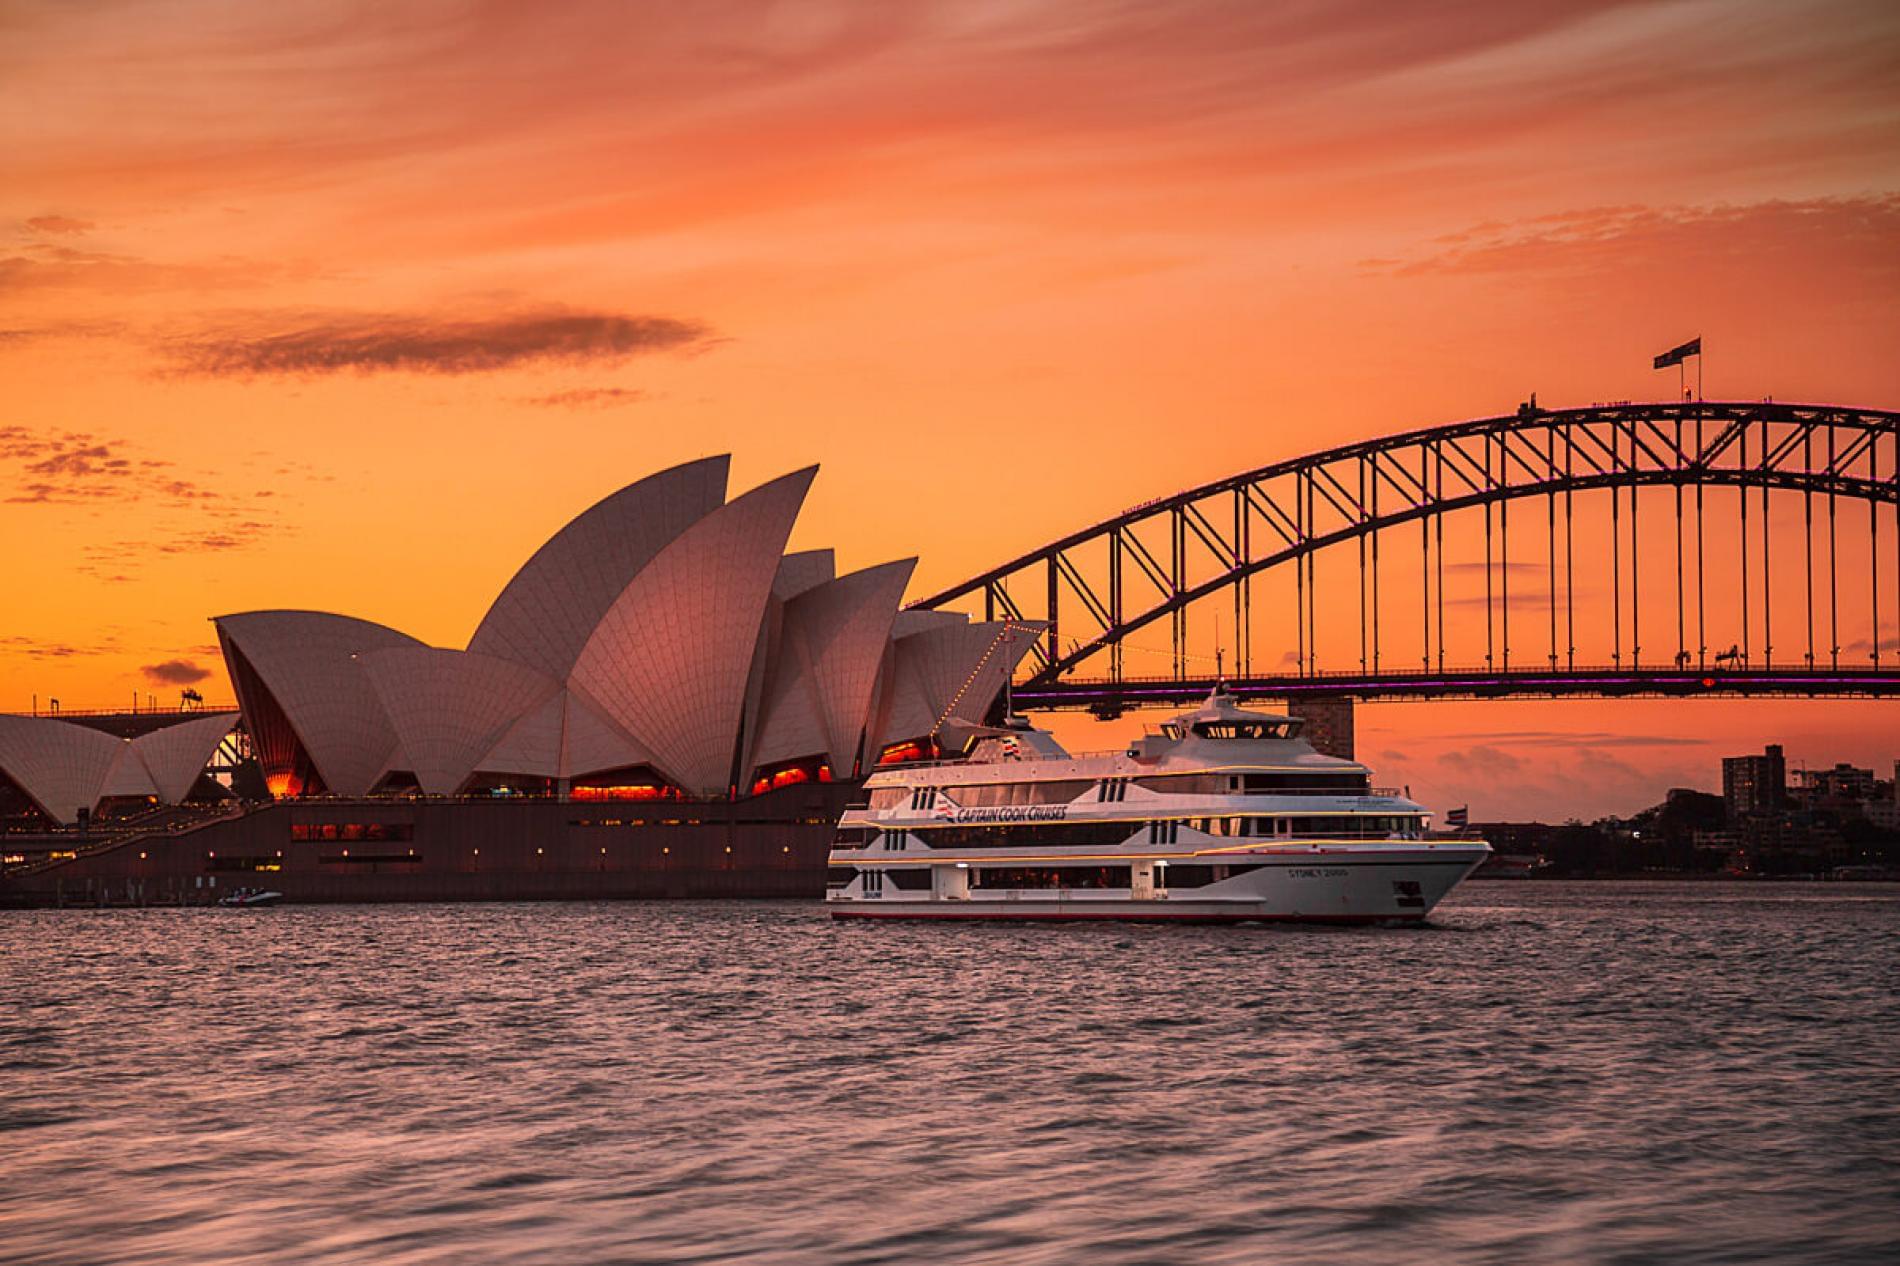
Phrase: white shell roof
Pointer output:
(545, 615)
(128, 776)
(833, 642)
(952, 668)
(801, 571)
(62, 767)
(591, 744)
(917, 620)
(670, 660)
(657, 628)
(563, 737)
(532, 745)
(450, 708)
(307, 660)
(175, 755)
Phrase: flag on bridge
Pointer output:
(1458, 819)
(1676, 355)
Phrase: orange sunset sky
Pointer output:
(349, 306)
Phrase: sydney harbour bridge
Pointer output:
(1676, 549)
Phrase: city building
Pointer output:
(1842, 782)
(1754, 784)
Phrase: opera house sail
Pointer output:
(661, 701)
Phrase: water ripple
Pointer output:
(1552, 1073)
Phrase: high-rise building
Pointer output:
(1754, 784)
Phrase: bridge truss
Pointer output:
(1706, 528)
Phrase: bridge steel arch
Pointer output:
(1223, 535)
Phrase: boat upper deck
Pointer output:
(1217, 738)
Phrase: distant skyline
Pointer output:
(320, 306)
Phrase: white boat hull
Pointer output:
(1297, 889)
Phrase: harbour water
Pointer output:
(1553, 1072)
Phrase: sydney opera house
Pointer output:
(662, 701)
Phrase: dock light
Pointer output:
(538, 852)
(141, 857)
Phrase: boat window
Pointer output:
(1297, 780)
(1049, 877)
(1055, 791)
(909, 878)
(889, 797)
(1348, 825)
(1183, 784)
(1035, 835)
(855, 837)
(1197, 875)
(1247, 730)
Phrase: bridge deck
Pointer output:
(1607, 681)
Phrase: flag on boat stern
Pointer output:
(1676, 355)
(1458, 819)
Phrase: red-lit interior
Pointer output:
(626, 791)
(790, 775)
(899, 753)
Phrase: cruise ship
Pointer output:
(1225, 815)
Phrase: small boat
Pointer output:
(250, 897)
(1226, 815)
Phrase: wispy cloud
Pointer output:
(588, 398)
(1577, 738)
(1591, 239)
(175, 672)
(112, 560)
(33, 648)
(1481, 760)
(1526, 569)
(56, 467)
(63, 225)
(59, 468)
(370, 344)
